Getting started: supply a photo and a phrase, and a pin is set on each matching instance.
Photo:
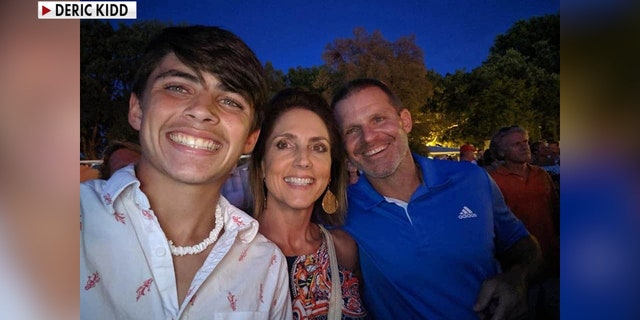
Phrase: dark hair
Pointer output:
(496, 147)
(213, 50)
(105, 168)
(357, 85)
(282, 102)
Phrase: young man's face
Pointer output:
(375, 135)
(191, 130)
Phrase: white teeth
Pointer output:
(194, 142)
(374, 151)
(298, 181)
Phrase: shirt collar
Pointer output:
(433, 178)
(235, 220)
(118, 182)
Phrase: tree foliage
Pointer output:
(537, 38)
(517, 84)
(400, 64)
(109, 57)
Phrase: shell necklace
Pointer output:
(197, 248)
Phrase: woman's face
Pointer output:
(297, 160)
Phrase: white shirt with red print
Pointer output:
(126, 268)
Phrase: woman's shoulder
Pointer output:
(346, 249)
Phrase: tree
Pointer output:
(275, 78)
(304, 78)
(399, 64)
(109, 57)
(537, 38)
(517, 84)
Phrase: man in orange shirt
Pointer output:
(530, 193)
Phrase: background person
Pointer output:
(428, 231)
(531, 194)
(468, 153)
(118, 154)
(237, 189)
(298, 176)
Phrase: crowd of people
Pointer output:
(328, 215)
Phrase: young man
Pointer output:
(158, 241)
(428, 231)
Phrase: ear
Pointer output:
(251, 141)
(135, 112)
(405, 118)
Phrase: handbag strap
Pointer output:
(335, 298)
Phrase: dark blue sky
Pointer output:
(452, 34)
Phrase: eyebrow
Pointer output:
(292, 136)
(191, 77)
(179, 74)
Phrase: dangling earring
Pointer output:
(329, 202)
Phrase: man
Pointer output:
(427, 230)
(118, 154)
(530, 193)
(195, 104)
(237, 189)
(468, 153)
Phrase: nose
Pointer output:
(202, 108)
(367, 133)
(302, 159)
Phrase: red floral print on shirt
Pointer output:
(107, 198)
(238, 220)
(261, 293)
(232, 301)
(119, 217)
(144, 288)
(92, 281)
(243, 254)
(147, 214)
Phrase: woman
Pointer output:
(299, 178)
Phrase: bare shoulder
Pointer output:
(346, 249)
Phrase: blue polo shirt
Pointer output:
(429, 261)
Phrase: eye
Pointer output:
(176, 88)
(378, 119)
(231, 103)
(320, 147)
(283, 144)
(351, 130)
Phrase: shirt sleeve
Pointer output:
(282, 305)
(508, 229)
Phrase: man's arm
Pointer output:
(505, 295)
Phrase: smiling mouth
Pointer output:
(298, 181)
(194, 142)
(374, 151)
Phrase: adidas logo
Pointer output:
(466, 213)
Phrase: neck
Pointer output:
(402, 183)
(519, 168)
(185, 212)
(291, 229)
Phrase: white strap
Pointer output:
(335, 298)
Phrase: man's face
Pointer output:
(516, 147)
(191, 130)
(375, 135)
(121, 158)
